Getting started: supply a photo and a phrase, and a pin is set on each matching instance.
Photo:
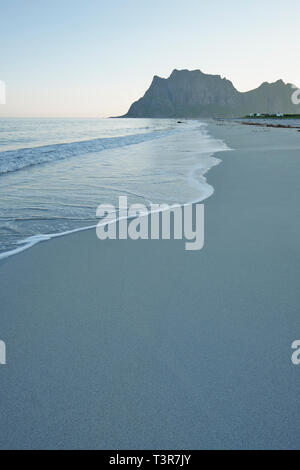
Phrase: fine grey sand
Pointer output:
(141, 344)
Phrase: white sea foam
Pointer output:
(12, 160)
(47, 201)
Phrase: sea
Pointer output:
(54, 172)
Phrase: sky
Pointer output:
(75, 58)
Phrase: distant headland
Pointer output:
(192, 94)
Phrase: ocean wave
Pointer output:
(171, 170)
(13, 160)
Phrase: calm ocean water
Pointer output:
(55, 172)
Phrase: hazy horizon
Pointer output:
(69, 59)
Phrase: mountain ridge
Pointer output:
(192, 93)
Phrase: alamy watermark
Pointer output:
(296, 95)
(161, 221)
(2, 352)
(296, 354)
(2, 92)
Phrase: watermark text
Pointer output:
(2, 352)
(2, 92)
(296, 95)
(296, 354)
(161, 221)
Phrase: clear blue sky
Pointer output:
(94, 57)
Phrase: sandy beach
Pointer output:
(143, 345)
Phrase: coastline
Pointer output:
(195, 177)
(140, 344)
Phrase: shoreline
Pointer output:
(33, 240)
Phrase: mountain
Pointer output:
(195, 94)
